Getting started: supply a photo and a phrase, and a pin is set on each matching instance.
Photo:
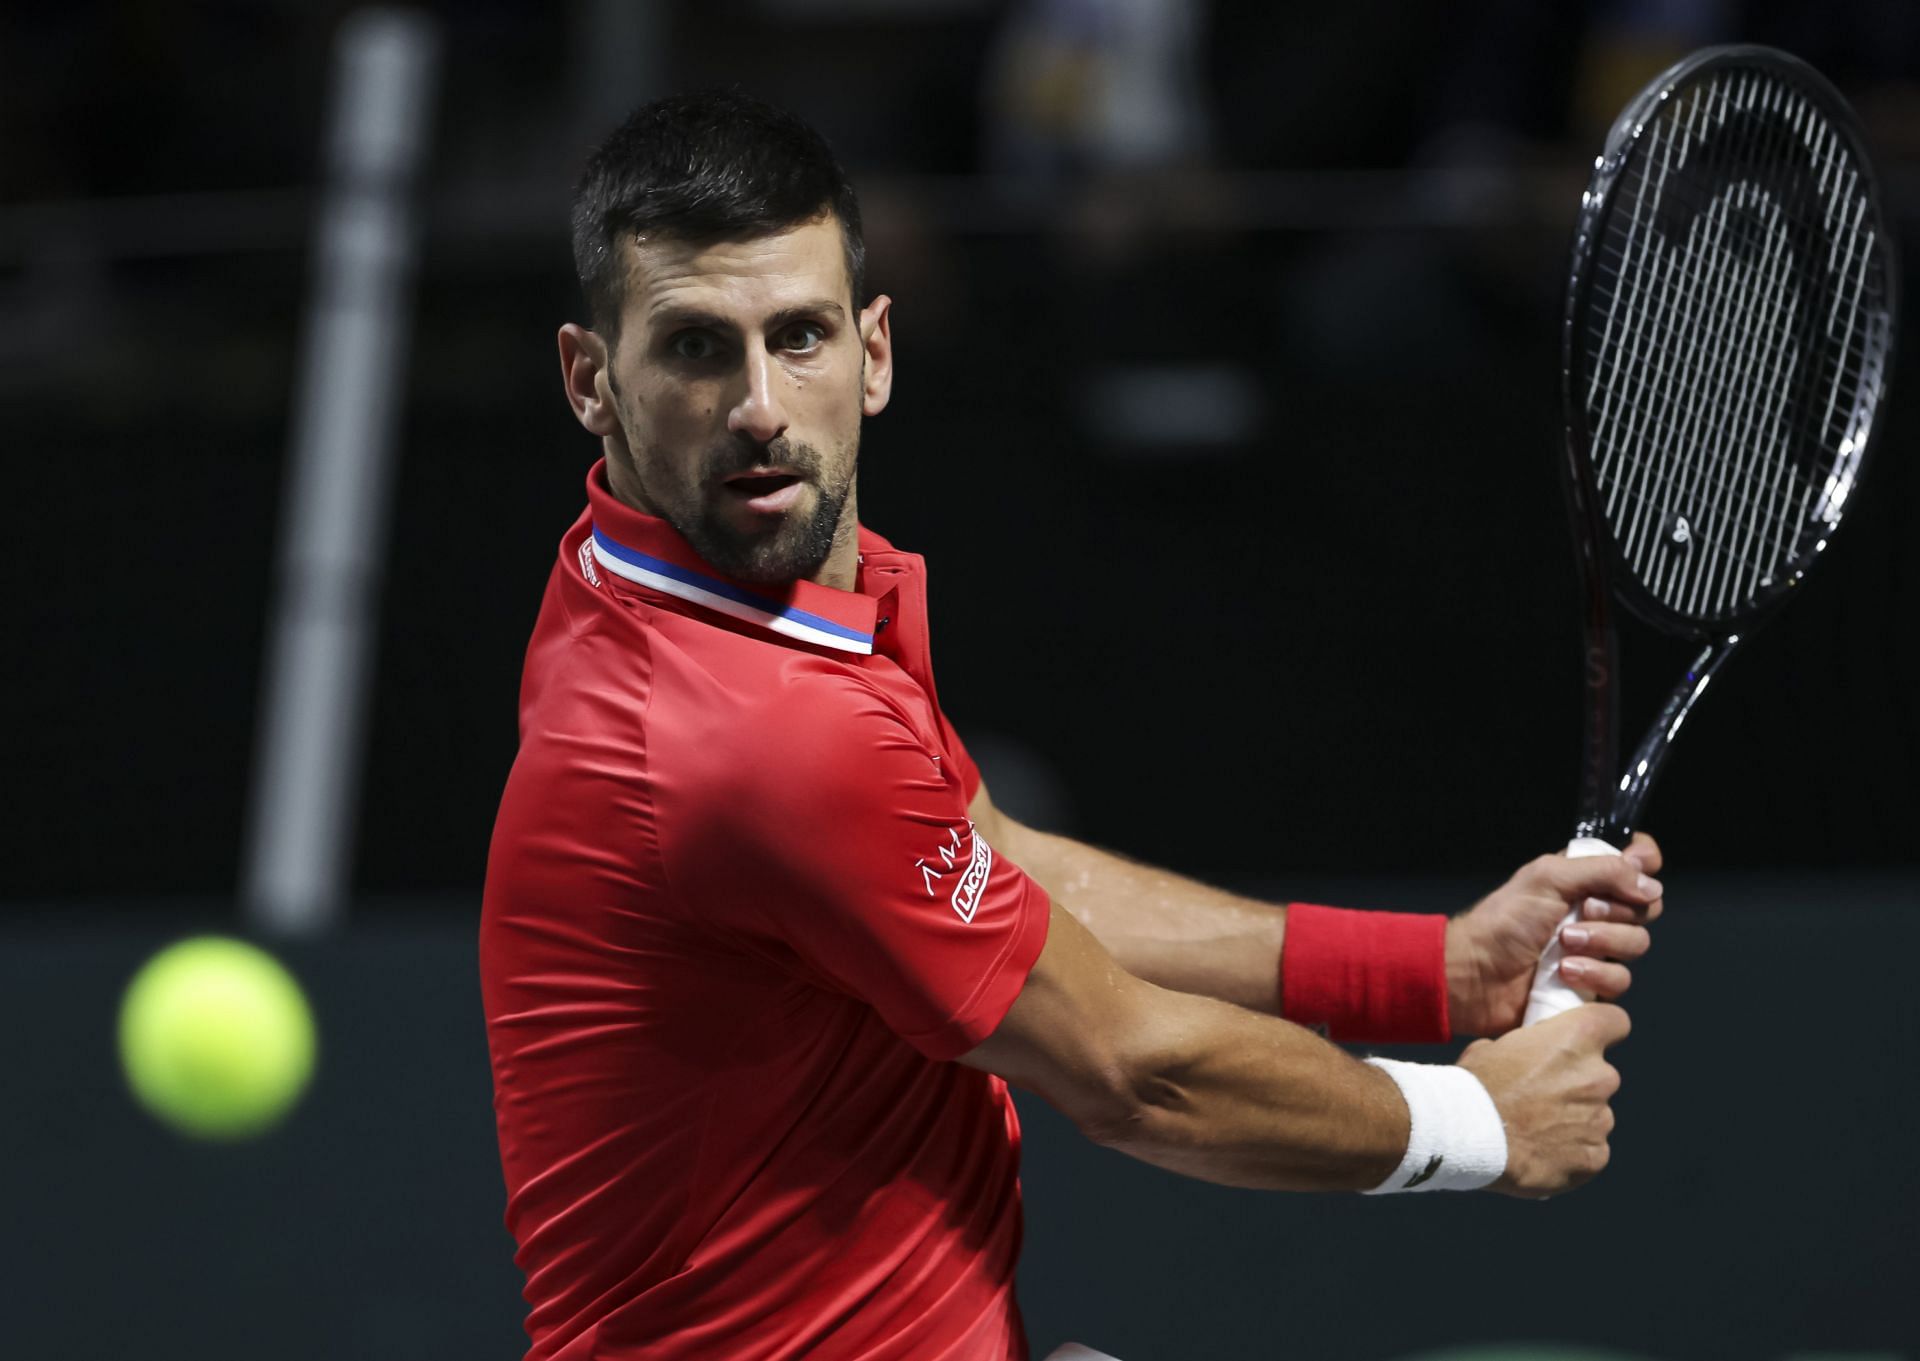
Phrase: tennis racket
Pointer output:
(1728, 338)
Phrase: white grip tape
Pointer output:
(1551, 994)
(1456, 1140)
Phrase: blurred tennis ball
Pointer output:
(216, 1038)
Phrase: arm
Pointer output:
(1158, 926)
(1191, 1084)
(1184, 936)
(1223, 1094)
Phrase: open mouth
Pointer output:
(765, 493)
(760, 485)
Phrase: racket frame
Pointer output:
(1610, 797)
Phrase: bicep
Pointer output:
(1074, 1033)
(1035, 852)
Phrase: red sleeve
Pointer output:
(835, 840)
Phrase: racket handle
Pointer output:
(1551, 994)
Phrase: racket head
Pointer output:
(1728, 337)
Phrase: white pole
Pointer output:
(333, 515)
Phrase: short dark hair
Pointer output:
(713, 166)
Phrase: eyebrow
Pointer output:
(675, 315)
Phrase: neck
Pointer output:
(842, 567)
(622, 480)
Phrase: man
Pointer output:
(758, 953)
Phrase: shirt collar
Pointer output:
(649, 552)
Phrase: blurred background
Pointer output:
(1227, 416)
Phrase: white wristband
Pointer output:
(1457, 1142)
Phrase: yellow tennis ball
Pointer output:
(216, 1038)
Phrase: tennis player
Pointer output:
(760, 956)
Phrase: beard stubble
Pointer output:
(795, 546)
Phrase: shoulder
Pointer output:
(810, 741)
(793, 790)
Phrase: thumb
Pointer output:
(1604, 876)
(1605, 1023)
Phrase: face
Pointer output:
(730, 404)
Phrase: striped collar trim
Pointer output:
(724, 597)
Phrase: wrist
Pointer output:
(1366, 977)
(1462, 975)
(1456, 1140)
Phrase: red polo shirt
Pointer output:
(736, 924)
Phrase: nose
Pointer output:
(759, 414)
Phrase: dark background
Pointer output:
(1234, 458)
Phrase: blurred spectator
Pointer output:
(1096, 84)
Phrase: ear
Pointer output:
(876, 337)
(583, 369)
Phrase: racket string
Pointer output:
(1648, 485)
(1749, 445)
(1733, 326)
(1646, 413)
(1702, 506)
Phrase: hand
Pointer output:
(1493, 949)
(1551, 1086)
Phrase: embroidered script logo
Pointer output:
(971, 856)
(586, 563)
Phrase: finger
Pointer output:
(1600, 910)
(1603, 979)
(1602, 876)
(1606, 940)
(1605, 1022)
(1644, 851)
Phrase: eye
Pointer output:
(694, 345)
(803, 336)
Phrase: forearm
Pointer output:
(1162, 927)
(1247, 1100)
(1191, 1084)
